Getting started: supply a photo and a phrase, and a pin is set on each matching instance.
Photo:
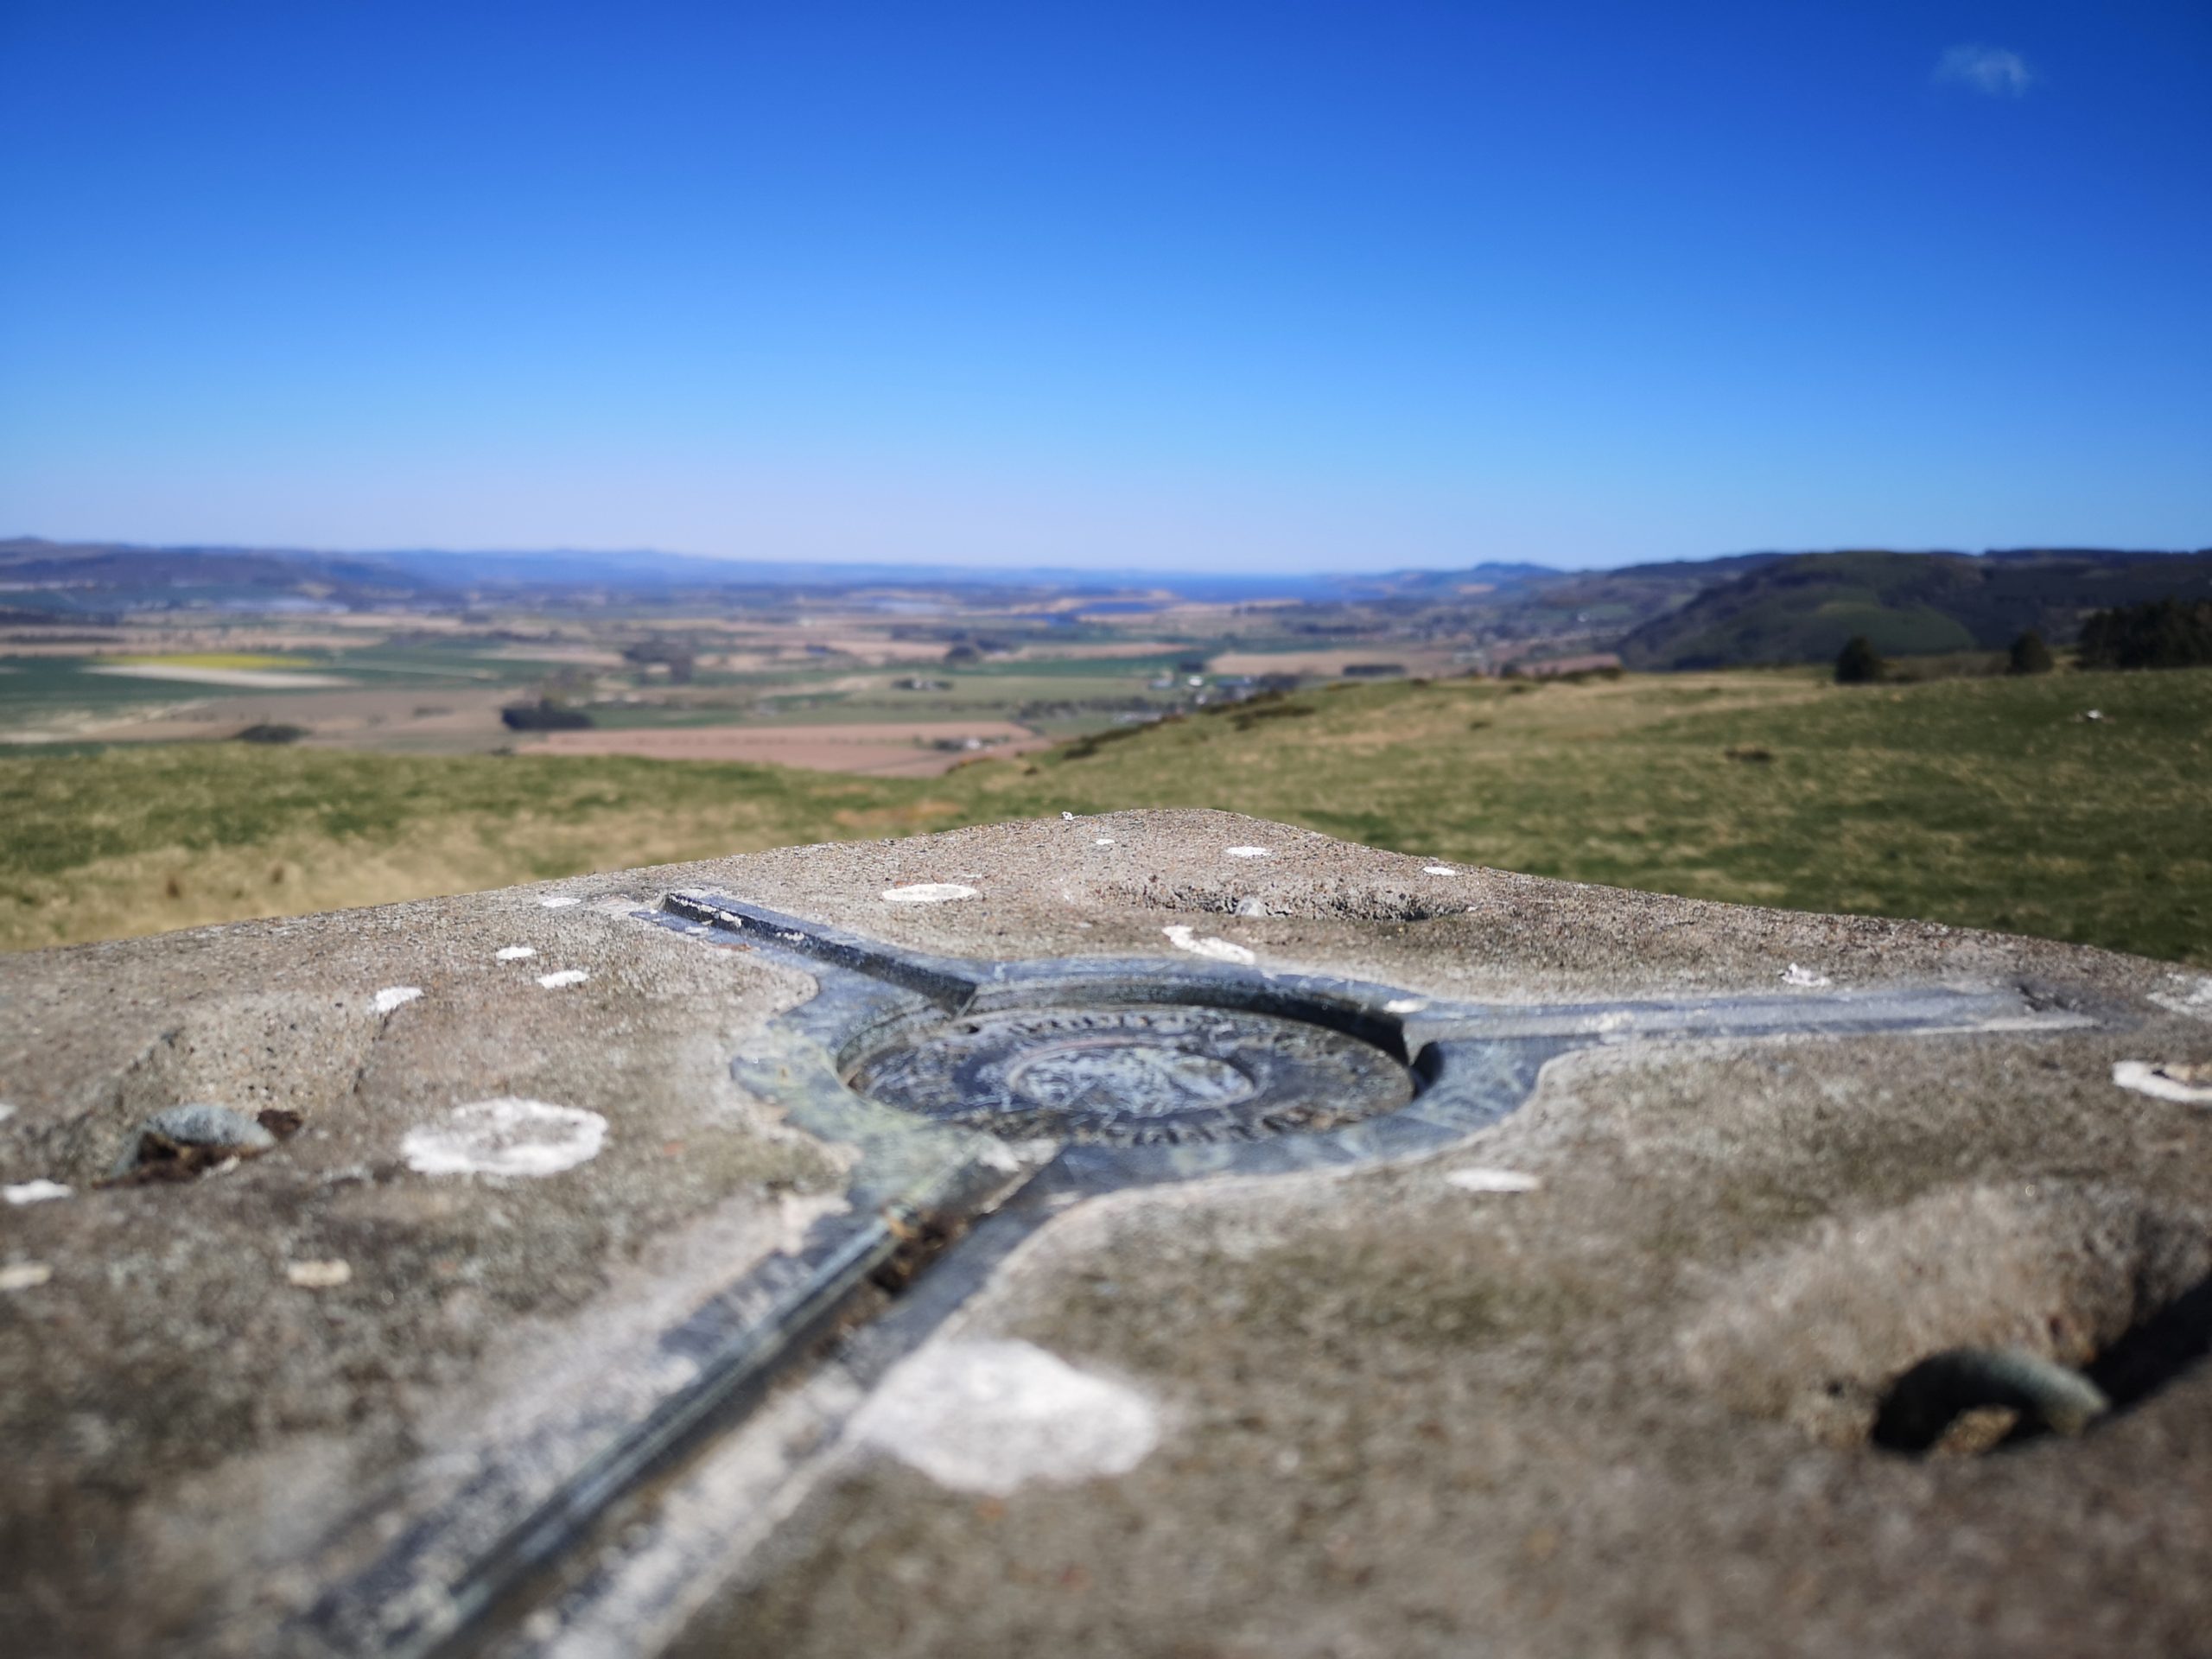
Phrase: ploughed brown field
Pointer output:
(880, 749)
(1415, 660)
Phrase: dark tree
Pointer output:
(543, 715)
(676, 659)
(1858, 663)
(2030, 655)
(2163, 633)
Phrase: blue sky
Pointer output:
(1262, 288)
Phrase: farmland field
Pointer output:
(1989, 803)
(414, 691)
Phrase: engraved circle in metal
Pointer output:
(1135, 1074)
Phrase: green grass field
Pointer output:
(1987, 803)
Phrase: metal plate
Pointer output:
(1121, 1073)
(1135, 1075)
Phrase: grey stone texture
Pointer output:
(1626, 1412)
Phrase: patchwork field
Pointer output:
(1989, 803)
(417, 689)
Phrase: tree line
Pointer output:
(2157, 633)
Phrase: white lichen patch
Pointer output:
(506, 1136)
(559, 902)
(40, 1192)
(1252, 852)
(1184, 938)
(397, 997)
(514, 953)
(1492, 1180)
(25, 1275)
(989, 1415)
(319, 1275)
(555, 982)
(928, 892)
(2190, 1085)
(1804, 977)
(2194, 997)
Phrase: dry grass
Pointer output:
(145, 839)
(1988, 802)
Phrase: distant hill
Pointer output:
(1740, 608)
(1802, 608)
(68, 579)
(1429, 584)
(661, 574)
(74, 576)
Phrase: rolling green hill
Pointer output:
(1802, 609)
(1989, 803)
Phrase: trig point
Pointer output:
(1160, 1232)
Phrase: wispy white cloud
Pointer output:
(1996, 70)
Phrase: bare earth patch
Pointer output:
(1417, 662)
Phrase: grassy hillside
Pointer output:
(1985, 802)
(1801, 610)
(139, 839)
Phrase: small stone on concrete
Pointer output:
(319, 1275)
(554, 981)
(38, 1191)
(189, 1140)
(25, 1275)
(515, 952)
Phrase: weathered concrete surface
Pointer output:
(1625, 1412)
